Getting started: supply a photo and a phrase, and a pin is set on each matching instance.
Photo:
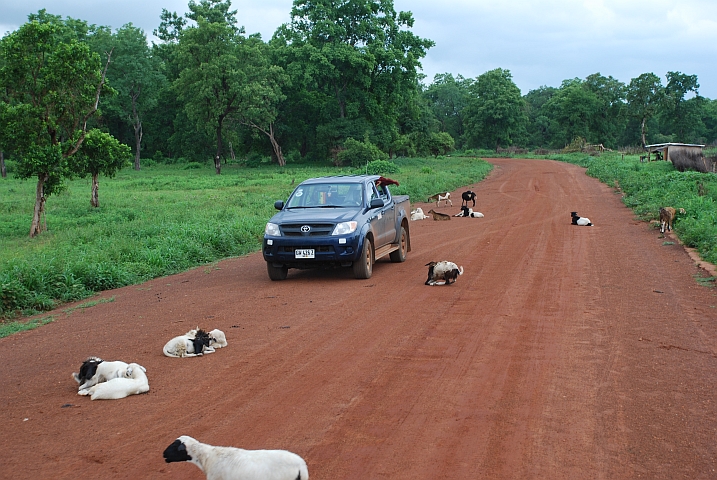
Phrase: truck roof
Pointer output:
(341, 178)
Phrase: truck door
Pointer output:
(386, 224)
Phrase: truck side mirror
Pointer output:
(376, 203)
(279, 204)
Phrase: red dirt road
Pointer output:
(563, 352)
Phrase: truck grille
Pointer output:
(315, 229)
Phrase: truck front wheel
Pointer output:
(363, 266)
(277, 273)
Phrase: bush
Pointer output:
(358, 154)
(381, 167)
(254, 160)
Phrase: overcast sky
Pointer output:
(541, 42)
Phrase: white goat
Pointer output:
(217, 339)
(446, 271)
(94, 370)
(418, 214)
(132, 383)
(229, 463)
(468, 212)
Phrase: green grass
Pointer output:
(648, 186)
(159, 221)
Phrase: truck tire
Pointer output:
(277, 273)
(363, 266)
(398, 256)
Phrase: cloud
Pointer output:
(542, 42)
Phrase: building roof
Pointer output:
(662, 145)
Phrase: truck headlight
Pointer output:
(272, 229)
(344, 228)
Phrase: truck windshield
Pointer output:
(327, 195)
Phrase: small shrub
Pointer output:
(358, 154)
(254, 160)
(381, 167)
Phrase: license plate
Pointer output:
(304, 253)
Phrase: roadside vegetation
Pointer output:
(163, 220)
(649, 186)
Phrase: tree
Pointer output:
(495, 112)
(608, 122)
(52, 85)
(136, 76)
(262, 93)
(99, 153)
(538, 126)
(644, 96)
(571, 111)
(680, 115)
(356, 62)
(225, 77)
(447, 97)
(440, 143)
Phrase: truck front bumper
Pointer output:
(328, 251)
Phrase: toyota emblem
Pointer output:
(305, 228)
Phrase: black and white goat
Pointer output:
(468, 212)
(133, 382)
(230, 463)
(446, 271)
(94, 370)
(467, 197)
(578, 220)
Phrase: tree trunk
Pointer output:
(137, 125)
(95, 200)
(642, 131)
(275, 145)
(3, 171)
(218, 156)
(37, 226)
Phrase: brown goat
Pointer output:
(667, 216)
(439, 216)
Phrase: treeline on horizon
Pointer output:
(342, 76)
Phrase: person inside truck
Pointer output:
(353, 196)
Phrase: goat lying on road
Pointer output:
(468, 212)
(94, 370)
(133, 382)
(578, 220)
(192, 344)
(418, 214)
(446, 271)
(439, 216)
(229, 463)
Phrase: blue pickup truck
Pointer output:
(337, 221)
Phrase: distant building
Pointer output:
(684, 156)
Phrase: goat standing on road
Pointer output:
(667, 216)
